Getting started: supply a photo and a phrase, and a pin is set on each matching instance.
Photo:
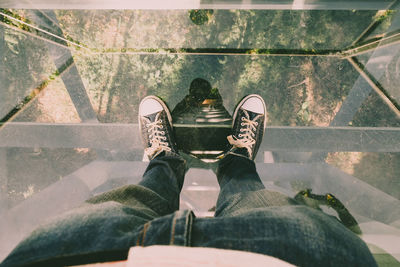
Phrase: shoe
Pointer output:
(248, 127)
(155, 125)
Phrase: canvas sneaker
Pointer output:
(248, 127)
(155, 125)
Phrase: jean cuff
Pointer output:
(163, 153)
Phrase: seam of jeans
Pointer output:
(138, 238)
(172, 240)
(181, 229)
(145, 228)
(142, 234)
(188, 230)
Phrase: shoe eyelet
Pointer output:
(242, 124)
(240, 135)
(242, 118)
(256, 123)
(161, 126)
(162, 132)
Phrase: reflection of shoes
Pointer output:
(155, 124)
(248, 126)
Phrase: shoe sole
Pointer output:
(241, 104)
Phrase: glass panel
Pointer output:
(379, 27)
(390, 80)
(24, 67)
(386, 64)
(236, 29)
(374, 112)
(299, 90)
(52, 105)
(72, 81)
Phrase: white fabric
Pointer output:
(197, 256)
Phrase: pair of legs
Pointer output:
(236, 172)
(165, 176)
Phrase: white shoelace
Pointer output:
(246, 138)
(157, 137)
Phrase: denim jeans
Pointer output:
(248, 217)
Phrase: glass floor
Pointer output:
(72, 77)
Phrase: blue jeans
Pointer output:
(248, 217)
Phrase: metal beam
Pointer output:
(388, 40)
(3, 152)
(386, 98)
(3, 180)
(330, 139)
(91, 135)
(70, 75)
(125, 137)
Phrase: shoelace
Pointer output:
(245, 139)
(157, 136)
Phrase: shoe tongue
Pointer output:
(152, 117)
(252, 115)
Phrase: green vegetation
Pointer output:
(200, 16)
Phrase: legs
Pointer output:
(242, 190)
(165, 176)
(241, 187)
(237, 171)
(236, 174)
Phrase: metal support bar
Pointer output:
(371, 45)
(3, 180)
(330, 139)
(90, 135)
(125, 137)
(70, 76)
(368, 79)
(2, 65)
(377, 21)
